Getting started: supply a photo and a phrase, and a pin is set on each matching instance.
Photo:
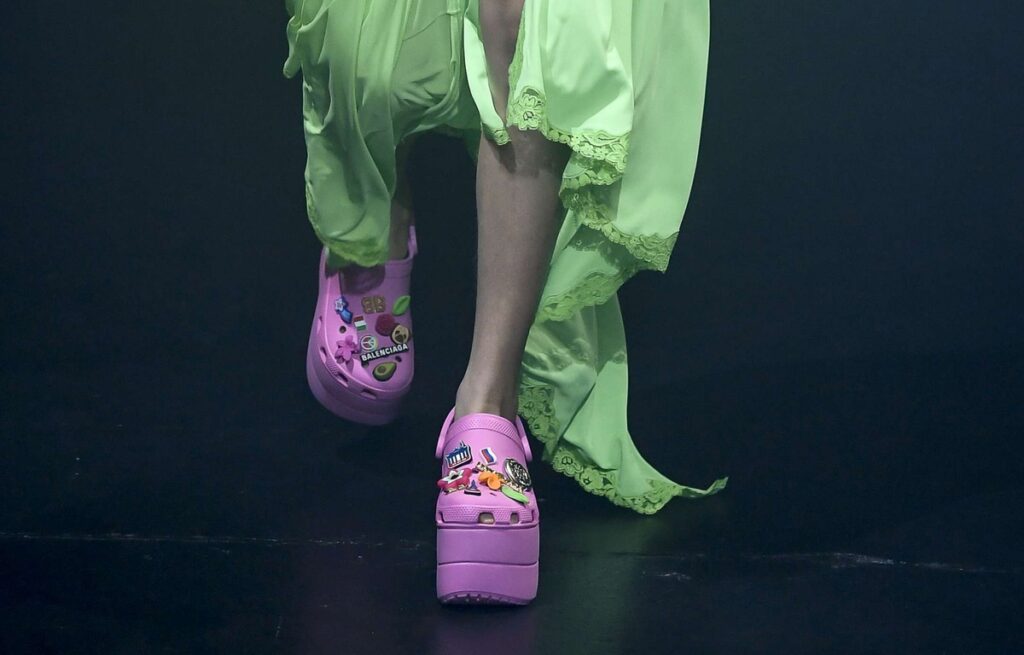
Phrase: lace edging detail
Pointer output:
(601, 156)
(595, 289)
(598, 161)
(537, 408)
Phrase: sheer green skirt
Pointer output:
(621, 82)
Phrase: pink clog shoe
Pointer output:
(359, 362)
(488, 521)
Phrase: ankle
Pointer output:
(398, 243)
(398, 237)
(479, 397)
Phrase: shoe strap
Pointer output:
(485, 422)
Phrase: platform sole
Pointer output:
(487, 565)
(477, 583)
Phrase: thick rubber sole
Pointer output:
(487, 565)
(340, 401)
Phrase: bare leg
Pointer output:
(401, 208)
(518, 213)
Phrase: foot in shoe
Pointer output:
(359, 362)
(488, 521)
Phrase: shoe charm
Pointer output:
(455, 480)
(401, 305)
(373, 304)
(497, 482)
(488, 456)
(490, 478)
(347, 347)
(460, 455)
(400, 334)
(517, 474)
(341, 306)
(384, 324)
(514, 495)
(384, 371)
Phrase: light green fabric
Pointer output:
(374, 72)
(619, 81)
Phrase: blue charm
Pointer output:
(460, 455)
(341, 306)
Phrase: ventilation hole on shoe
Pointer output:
(398, 358)
(323, 354)
(486, 518)
(342, 378)
(513, 518)
(368, 393)
(319, 323)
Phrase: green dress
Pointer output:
(621, 82)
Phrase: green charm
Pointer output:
(514, 495)
(401, 305)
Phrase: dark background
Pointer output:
(840, 332)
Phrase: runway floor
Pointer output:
(230, 529)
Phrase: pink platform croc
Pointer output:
(488, 521)
(359, 362)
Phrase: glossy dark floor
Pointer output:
(215, 516)
(839, 332)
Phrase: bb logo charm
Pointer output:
(373, 304)
(460, 455)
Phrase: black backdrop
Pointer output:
(840, 330)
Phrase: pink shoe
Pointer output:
(359, 363)
(488, 522)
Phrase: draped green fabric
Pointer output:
(621, 82)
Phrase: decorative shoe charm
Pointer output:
(341, 306)
(347, 347)
(356, 372)
(488, 531)
(497, 482)
(455, 480)
(518, 474)
(463, 454)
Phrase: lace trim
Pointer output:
(595, 289)
(651, 250)
(536, 406)
(597, 162)
(601, 157)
